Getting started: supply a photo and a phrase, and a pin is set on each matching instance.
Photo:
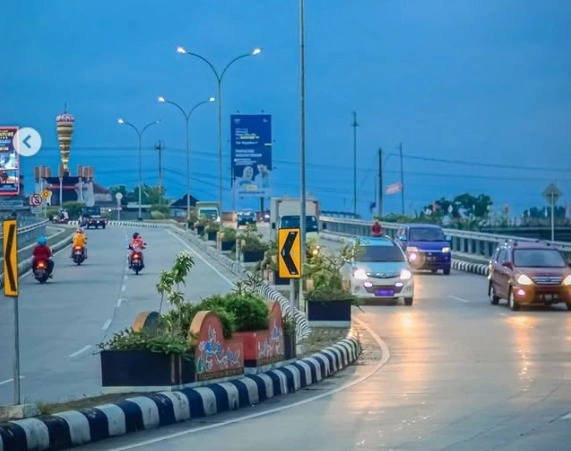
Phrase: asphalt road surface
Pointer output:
(62, 321)
(462, 375)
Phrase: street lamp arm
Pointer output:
(196, 106)
(128, 124)
(218, 77)
(230, 64)
(181, 109)
(148, 125)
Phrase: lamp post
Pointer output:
(187, 117)
(219, 77)
(140, 135)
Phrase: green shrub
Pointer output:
(228, 234)
(250, 311)
(155, 214)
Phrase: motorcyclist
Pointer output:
(79, 239)
(136, 244)
(376, 228)
(42, 252)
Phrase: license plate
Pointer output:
(384, 292)
(549, 297)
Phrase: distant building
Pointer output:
(179, 206)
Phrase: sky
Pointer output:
(477, 91)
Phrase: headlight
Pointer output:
(412, 249)
(405, 274)
(446, 250)
(567, 280)
(524, 280)
(360, 274)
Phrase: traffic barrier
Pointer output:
(29, 232)
(478, 244)
(80, 427)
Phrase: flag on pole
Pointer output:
(394, 188)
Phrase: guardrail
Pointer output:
(28, 231)
(478, 244)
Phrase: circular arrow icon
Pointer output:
(27, 141)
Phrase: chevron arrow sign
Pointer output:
(289, 256)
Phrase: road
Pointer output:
(462, 375)
(63, 320)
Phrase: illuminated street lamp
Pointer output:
(187, 117)
(219, 77)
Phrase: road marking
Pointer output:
(206, 262)
(81, 351)
(106, 325)
(566, 417)
(386, 355)
(503, 314)
(123, 288)
(119, 302)
(456, 298)
(7, 381)
(125, 277)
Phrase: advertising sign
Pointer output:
(251, 149)
(9, 162)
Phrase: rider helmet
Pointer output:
(79, 230)
(136, 235)
(42, 241)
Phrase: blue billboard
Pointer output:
(9, 162)
(251, 154)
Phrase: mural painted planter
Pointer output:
(263, 347)
(226, 246)
(141, 368)
(215, 357)
(329, 313)
(253, 256)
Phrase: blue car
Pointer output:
(426, 246)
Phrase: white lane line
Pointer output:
(503, 314)
(125, 278)
(106, 325)
(206, 262)
(81, 351)
(119, 302)
(386, 355)
(123, 288)
(566, 417)
(456, 298)
(7, 381)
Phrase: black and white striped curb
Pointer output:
(79, 427)
(27, 264)
(137, 224)
(458, 265)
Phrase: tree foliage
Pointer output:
(462, 205)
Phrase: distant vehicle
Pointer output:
(245, 217)
(379, 269)
(209, 210)
(426, 246)
(526, 273)
(92, 218)
(285, 213)
(264, 216)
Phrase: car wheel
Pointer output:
(447, 272)
(408, 301)
(494, 299)
(512, 302)
(568, 304)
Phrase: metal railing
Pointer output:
(29, 230)
(478, 244)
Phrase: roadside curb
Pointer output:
(459, 265)
(80, 427)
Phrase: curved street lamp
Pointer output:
(187, 117)
(219, 77)
(140, 135)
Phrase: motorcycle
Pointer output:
(78, 255)
(137, 264)
(41, 273)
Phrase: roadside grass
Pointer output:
(321, 338)
(48, 408)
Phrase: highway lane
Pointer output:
(463, 375)
(61, 321)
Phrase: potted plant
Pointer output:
(251, 246)
(270, 265)
(192, 219)
(211, 230)
(290, 344)
(328, 301)
(228, 239)
(200, 225)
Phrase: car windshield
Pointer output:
(426, 234)
(292, 222)
(92, 211)
(209, 213)
(370, 254)
(539, 258)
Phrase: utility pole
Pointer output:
(354, 125)
(401, 180)
(159, 147)
(302, 168)
(380, 188)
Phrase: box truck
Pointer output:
(285, 214)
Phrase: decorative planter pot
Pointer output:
(199, 229)
(190, 225)
(280, 280)
(290, 346)
(253, 256)
(227, 245)
(139, 368)
(211, 235)
(329, 313)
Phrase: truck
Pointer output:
(209, 210)
(91, 217)
(285, 214)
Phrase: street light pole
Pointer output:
(219, 78)
(302, 218)
(187, 117)
(140, 135)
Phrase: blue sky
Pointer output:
(482, 81)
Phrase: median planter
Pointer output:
(263, 347)
(336, 313)
(199, 229)
(290, 346)
(227, 246)
(280, 280)
(211, 235)
(253, 256)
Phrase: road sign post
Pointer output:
(552, 195)
(289, 262)
(118, 196)
(11, 289)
